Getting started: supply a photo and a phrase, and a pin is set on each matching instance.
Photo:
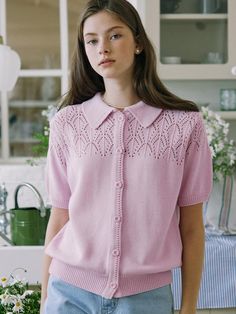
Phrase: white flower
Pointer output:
(19, 282)
(222, 149)
(212, 152)
(27, 292)
(219, 147)
(7, 298)
(49, 112)
(18, 306)
(15, 298)
(3, 282)
(226, 129)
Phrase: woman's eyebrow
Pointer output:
(107, 31)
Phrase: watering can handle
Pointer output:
(36, 192)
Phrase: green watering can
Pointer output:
(28, 224)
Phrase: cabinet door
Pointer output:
(193, 41)
(43, 32)
(26, 104)
(33, 29)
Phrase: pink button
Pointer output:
(120, 117)
(116, 252)
(117, 219)
(114, 285)
(119, 184)
(119, 150)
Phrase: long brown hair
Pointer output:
(85, 82)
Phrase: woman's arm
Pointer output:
(58, 219)
(192, 234)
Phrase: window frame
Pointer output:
(61, 72)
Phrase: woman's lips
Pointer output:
(106, 62)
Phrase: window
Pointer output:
(43, 32)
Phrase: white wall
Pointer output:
(13, 175)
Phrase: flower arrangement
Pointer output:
(15, 297)
(223, 150)
(40, 149)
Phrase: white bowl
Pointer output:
(171, 60)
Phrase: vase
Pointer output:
(220, 210)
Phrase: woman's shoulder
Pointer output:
(186, 122)
(72, 111)
(66, 114)
(181, 116)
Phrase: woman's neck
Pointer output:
(120, 97)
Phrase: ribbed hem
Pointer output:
(98, 283)
(60, 203)
(188, 201)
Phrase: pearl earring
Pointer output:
(137, 51)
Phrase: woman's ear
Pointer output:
(138, 50)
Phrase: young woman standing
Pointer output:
(128, 169)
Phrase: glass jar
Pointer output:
(228, 99)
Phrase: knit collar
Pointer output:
(96, 111)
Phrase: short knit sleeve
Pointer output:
(58, 190)
(197, 175)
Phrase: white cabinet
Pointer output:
(44, 34)
(202, 47)
(203, 44)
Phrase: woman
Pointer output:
(128, 169)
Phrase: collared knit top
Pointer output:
(123, 175)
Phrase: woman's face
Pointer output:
(110, 46)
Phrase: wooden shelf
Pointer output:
(228, 115)
(23, 141)
(198, 17)
(31, 103)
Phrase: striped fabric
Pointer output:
(218, 288)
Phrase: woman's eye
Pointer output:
(115, 36)
(92, 42)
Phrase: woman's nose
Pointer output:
(104, 51)
(103, 48)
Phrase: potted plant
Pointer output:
(16, 297)
(223, 150)
(220, 214)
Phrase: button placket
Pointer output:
(115, 254)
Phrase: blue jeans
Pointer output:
(64, 298)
